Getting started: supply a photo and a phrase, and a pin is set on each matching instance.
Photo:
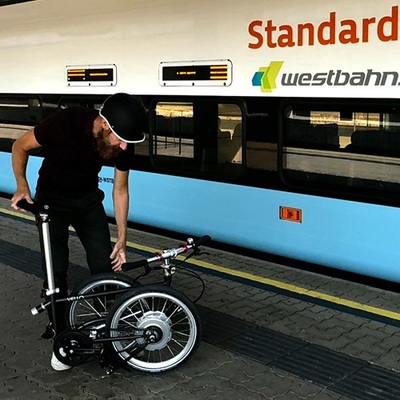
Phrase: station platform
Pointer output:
(269, 331)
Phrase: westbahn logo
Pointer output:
(266, 78)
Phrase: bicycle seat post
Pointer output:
(51, 290)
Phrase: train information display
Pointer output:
(196, 73)
(91, 75)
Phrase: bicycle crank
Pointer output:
(73, 348)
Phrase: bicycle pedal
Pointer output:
(105, 362)
(109, 370)
(49, 332)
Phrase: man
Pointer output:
(76, 142)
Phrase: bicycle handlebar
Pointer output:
(34, 208)
(166, 254)
(134, 264)
(202, 240)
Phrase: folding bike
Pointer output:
(150, 327)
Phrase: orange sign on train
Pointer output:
(290, 214)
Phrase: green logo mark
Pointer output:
(265, 77)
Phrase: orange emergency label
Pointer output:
(291, 214)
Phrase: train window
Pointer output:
(94, 102)
(17, 115)
(199, 137)
(357, 147)
(20, 110)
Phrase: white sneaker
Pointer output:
(58, 365)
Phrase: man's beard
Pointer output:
(106, 151)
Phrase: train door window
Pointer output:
(230, 134)
(173, 130)
(353, 145)
(261, 137)
(197, 137)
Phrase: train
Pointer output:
(273, 126)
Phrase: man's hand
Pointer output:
(118, 256)
(19, 195)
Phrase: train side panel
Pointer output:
(337, 45)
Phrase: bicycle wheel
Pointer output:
(93, 300)
(162, 318)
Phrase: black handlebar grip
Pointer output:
(134, 264)
(203, 240)
(34, 208)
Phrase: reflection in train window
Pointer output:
(230, 134)
(352, 147)
(198, 137)
(173, 130)
(17, 115)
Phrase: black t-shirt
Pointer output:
(71, 161)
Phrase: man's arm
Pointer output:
(121, 207)
(20, 155)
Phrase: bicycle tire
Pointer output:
(86, 313)
(161, 312)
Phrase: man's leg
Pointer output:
(91, 226)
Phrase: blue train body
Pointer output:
(352, 236)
